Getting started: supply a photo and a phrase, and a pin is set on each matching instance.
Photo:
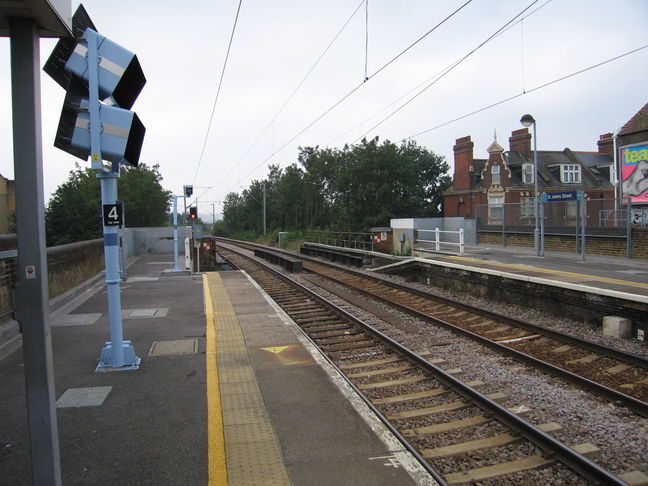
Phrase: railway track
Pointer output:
(460, 435)
(616, 375)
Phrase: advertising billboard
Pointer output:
(634, 172)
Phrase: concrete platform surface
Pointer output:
(227, 388)
(596, 272)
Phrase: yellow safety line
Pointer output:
(546, 270)
(217, 466)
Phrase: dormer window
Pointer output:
(570, 174)
(527, 173)
(495, 174)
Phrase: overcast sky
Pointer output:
(182, 45)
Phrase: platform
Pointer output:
(606, 275)
(228, 392)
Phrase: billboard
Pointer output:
(634, 172)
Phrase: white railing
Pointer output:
(437, 239)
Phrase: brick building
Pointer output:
(508, 176)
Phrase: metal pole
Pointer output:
(629, 228)
(32, 308)
(536, 231)
(264, 209)
(176, 268)
(184, 215)
(118, 354)
(583, 226)
(542, 229)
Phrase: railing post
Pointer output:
(629, 227)
(438, 245)
(461, 241)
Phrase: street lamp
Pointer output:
(526, 121)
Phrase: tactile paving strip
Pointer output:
(253, 453)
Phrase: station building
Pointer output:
(507, 176)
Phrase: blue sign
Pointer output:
(562, 196)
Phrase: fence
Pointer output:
(437, 238)
(580, 219)
(343, 239)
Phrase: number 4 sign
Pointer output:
(113, 215)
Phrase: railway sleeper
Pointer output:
(485, 443)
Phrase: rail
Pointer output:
(437, 239)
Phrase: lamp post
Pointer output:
(526, 121)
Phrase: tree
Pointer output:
(74, 211)
(353, 188)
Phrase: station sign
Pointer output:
(113, 215)
(562, 196)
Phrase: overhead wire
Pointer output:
(356, 88)
(510, 98)
(220, 84)
(427, 80)
(294, 91)
(447, 71)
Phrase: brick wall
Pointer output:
(609, 246)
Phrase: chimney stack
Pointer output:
(606, 144)
(520, 141)
(463, 156)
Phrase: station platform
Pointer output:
(228, 392)
(626, 278)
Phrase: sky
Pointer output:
(182, 49)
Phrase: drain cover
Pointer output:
(178, 346)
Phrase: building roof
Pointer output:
(595, 169)
(637, 123)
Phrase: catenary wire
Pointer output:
(356, 88)
(453, 66)
(220, 83)
(427, 80)
(290, 97)
(510, 98)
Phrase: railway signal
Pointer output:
(102, 81)
(92, 68)
(193, 213)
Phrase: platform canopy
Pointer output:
(54, 17)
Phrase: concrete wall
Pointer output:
(71, 265)
(156, 241)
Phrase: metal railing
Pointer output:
(343, 239)
(437, 239)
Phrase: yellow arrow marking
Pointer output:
(275, 349)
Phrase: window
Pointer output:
(495, 174)
(527, 207)
(570, 174)
(527, 173)
(495, 207)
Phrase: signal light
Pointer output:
(193, 213)
(119, 81)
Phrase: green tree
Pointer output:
(353, 188)
(74, 211)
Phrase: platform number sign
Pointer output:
(113, 215)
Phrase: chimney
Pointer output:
(606, 144)
(463, 157)
(520, 141)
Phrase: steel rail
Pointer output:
(576, 462)
(638, 406)
(619, 355)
